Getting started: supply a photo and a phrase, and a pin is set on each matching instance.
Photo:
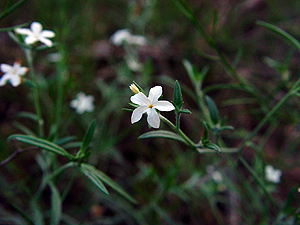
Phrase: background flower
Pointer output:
(12, 73)
(83, 103)
(273, 175)
(36, 33)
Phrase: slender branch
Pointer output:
(17, 152)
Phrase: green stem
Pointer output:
(260, 182)
(61, 72)
(187, 11)
(189, 142)
(29, 57)
(292, 92)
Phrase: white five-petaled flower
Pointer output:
(12, 73)
(149, 105)
(272, 175)
(124, 36)
(83, 103)
(36, 33)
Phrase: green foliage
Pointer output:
(225, 68)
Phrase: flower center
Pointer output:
(150, 106)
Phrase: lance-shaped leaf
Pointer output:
(283, 33)
(213, 110)
(87, 138)
(41, 143)
(105, 179)
(162, 134)
(177, 96)
(92, 175)
(56, 205)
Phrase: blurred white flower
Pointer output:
(124, 36)
(36, 33)
(149, 105)
(133, 64)
(54, 57)
(120, 36)
(272, 175)
(217, 177)
(83, 103)
(12, 73)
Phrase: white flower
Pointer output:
(272, 174)
(120, 36)
(124, 36)
(83, 103)
(149, 106)
(12, 73)
(36, 33)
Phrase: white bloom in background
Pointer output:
(150, 105)
(120, 36)
(83, 103)
(54, 57)
(133, 64)
(217, 177)
(12, 73)
(36, 33)
(137, 40)
(124, 36)
(272, 175)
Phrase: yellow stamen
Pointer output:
(150, 106)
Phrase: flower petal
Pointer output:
(36, 27)
(30, 40)
(4, 79)
(23, 31)
(137, 113)
(22, 71)
(153, 118)
(46, 41)
(163, 105)
(5, 68)
(154, 94)
(140, 99)
(47, 34)
(15, 80)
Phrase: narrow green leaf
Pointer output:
(185, 111)
(177, 96)
(41, 143)
(23, 128)
(283, 33)
(205, 132)
(162, 134)
(87, 137)
(28, 115)
(64, 140)
(11, 8)
(213, 110)
(38, 217)
(56, 205)
(212, 146)
(108, 181)
(91, 174)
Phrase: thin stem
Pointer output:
(189, 142)
(29, 57)
(17, 152)
(260, 182)
(292, 92)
